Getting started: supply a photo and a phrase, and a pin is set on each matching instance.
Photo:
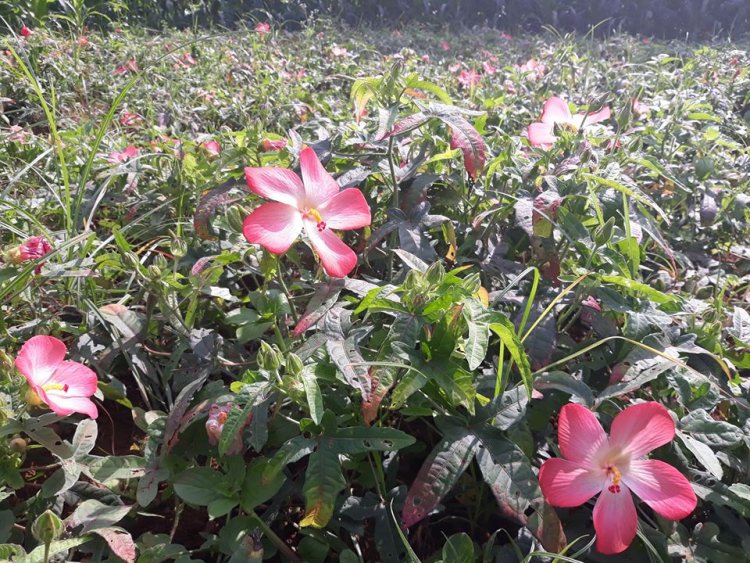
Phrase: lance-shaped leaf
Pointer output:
(507, 333)
(347, 358)
(180, 407)
(292, 450)
(508, 472)
(440, 471)
(323, 482)
(322, 301)
(360, 439)
(471, 143)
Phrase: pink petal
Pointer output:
(39, 357)
(274, 226)
(346, 210)
(337, 258)
(319, 184)
(541, 135)
(555, 111)
(615, 521)
(65, 406)
(641, 428)
(79, 379)
(579, 433)
(565, 483)
(662, 487)
(583, 119)
(277, 184)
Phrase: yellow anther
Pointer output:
(55, 387)
(315, 215)
(616, 475)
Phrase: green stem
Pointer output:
(285, 289)
(394, 205)
(283, 548)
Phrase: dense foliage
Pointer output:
(250, 406)
(661, 18)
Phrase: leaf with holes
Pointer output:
(440, 471)
(359, 439)
(323, 483)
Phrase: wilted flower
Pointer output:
(25, 31)
(556, 112)
(83, 41)
(639, 108)
(130, 119)
(263, 28)
(506, 36)
(614, 466)
(65, 386)
(315, 203)
(445, 46)
(268, 145)
(212, 147)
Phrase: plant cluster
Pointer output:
(365, 296)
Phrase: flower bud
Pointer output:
(268, 357)
(47, 527)
(294, 365)
(236, 218)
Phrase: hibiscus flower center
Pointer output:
(616, 476)
(56, 387)
(315, 214)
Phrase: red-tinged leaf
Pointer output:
(405, 125)
(378, 392)
(210, 201)
(509, 474)
(345, 354)
(200, 265)
(547, 528)
(175, 422)
(120, 542)
(322, 301)
(471, 143)
(440, 471)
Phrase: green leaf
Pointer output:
(256, 489)
(716, 433)
(313, 394)
(237, 417)
(479, 333)
(92, 514)
(566, 383)
(638, 287)
(459, 549)
(60, 546)
(200, 485)
(360, 439)
(292, 450)
(323, 482)
(507, 333)
(705, 455)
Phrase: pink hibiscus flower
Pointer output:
(65, 386)
(131, 151)
(469, 78)
(614, 466)
(25, 31)
(533, 68)
(263, 28)
(541, 134)
(130, 66)
(314, 203)
(34, 248)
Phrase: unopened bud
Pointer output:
(47, 527)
